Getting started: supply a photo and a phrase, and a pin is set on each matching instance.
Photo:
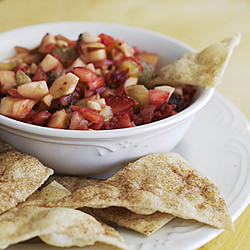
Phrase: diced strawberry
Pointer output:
(121, 90)
(119, 103)
(97, 83)
(147, 112)
(88, 92)
(129, 111)
(137, 119)
(85, 74)
(18, 67)
(49, 47)
(78, 122)
(89, 77)
(167, 109)
(121, 120)
(14, 93)
(89, 114)
(40, 75)
(106, 39)
(104, 62)
(158, 115)
(96, 126)
(115, 79)
(65, 100)
(72, 43)
(101, 90)
(124, 121)
(157, 97)
(41, 118)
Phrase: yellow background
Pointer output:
(198, 23)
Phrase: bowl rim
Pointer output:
(205, 96)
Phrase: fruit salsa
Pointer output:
(92, 83)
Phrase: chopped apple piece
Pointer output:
(17, 108)
(92, 52)
(88, 37)
(97, 55)
(64, 85)
(94, 105)
(7, 81)
(47, 99)
(58, 120)
(49, 63)
(148, 57)
(138, 92)
(77, 63)
(131, 81)
(33, 90)
(47, 41)
(97, 104)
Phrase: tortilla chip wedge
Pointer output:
(72, 227)
(203, 69)
(50, 193)
(144, 224)
(55, 226)
(163, 182)
(20, 176)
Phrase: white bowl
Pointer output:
(98, 153)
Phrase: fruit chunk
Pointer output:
(7, 65)
(47, 44)
(148, 57)
(47, 99)
(147, 74)
(78, 122)
(89, 114)
(123, 121)
(107, 113)
(40, 75)
(138, 92)
(119, 103)
(157, 97)
(22, 78)
(168, 89)
(147, 112)
(64, 85)
(17, 108)
(49, 63)
(58, 120)
(132, 65)
(7, 81)
(131, 81)
(89, 77)
(77, 63)
(33, 90)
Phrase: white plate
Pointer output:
(218, 143)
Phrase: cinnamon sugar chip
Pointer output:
(202, 69)
(163, 182)
(20, 176)
(144, 224)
